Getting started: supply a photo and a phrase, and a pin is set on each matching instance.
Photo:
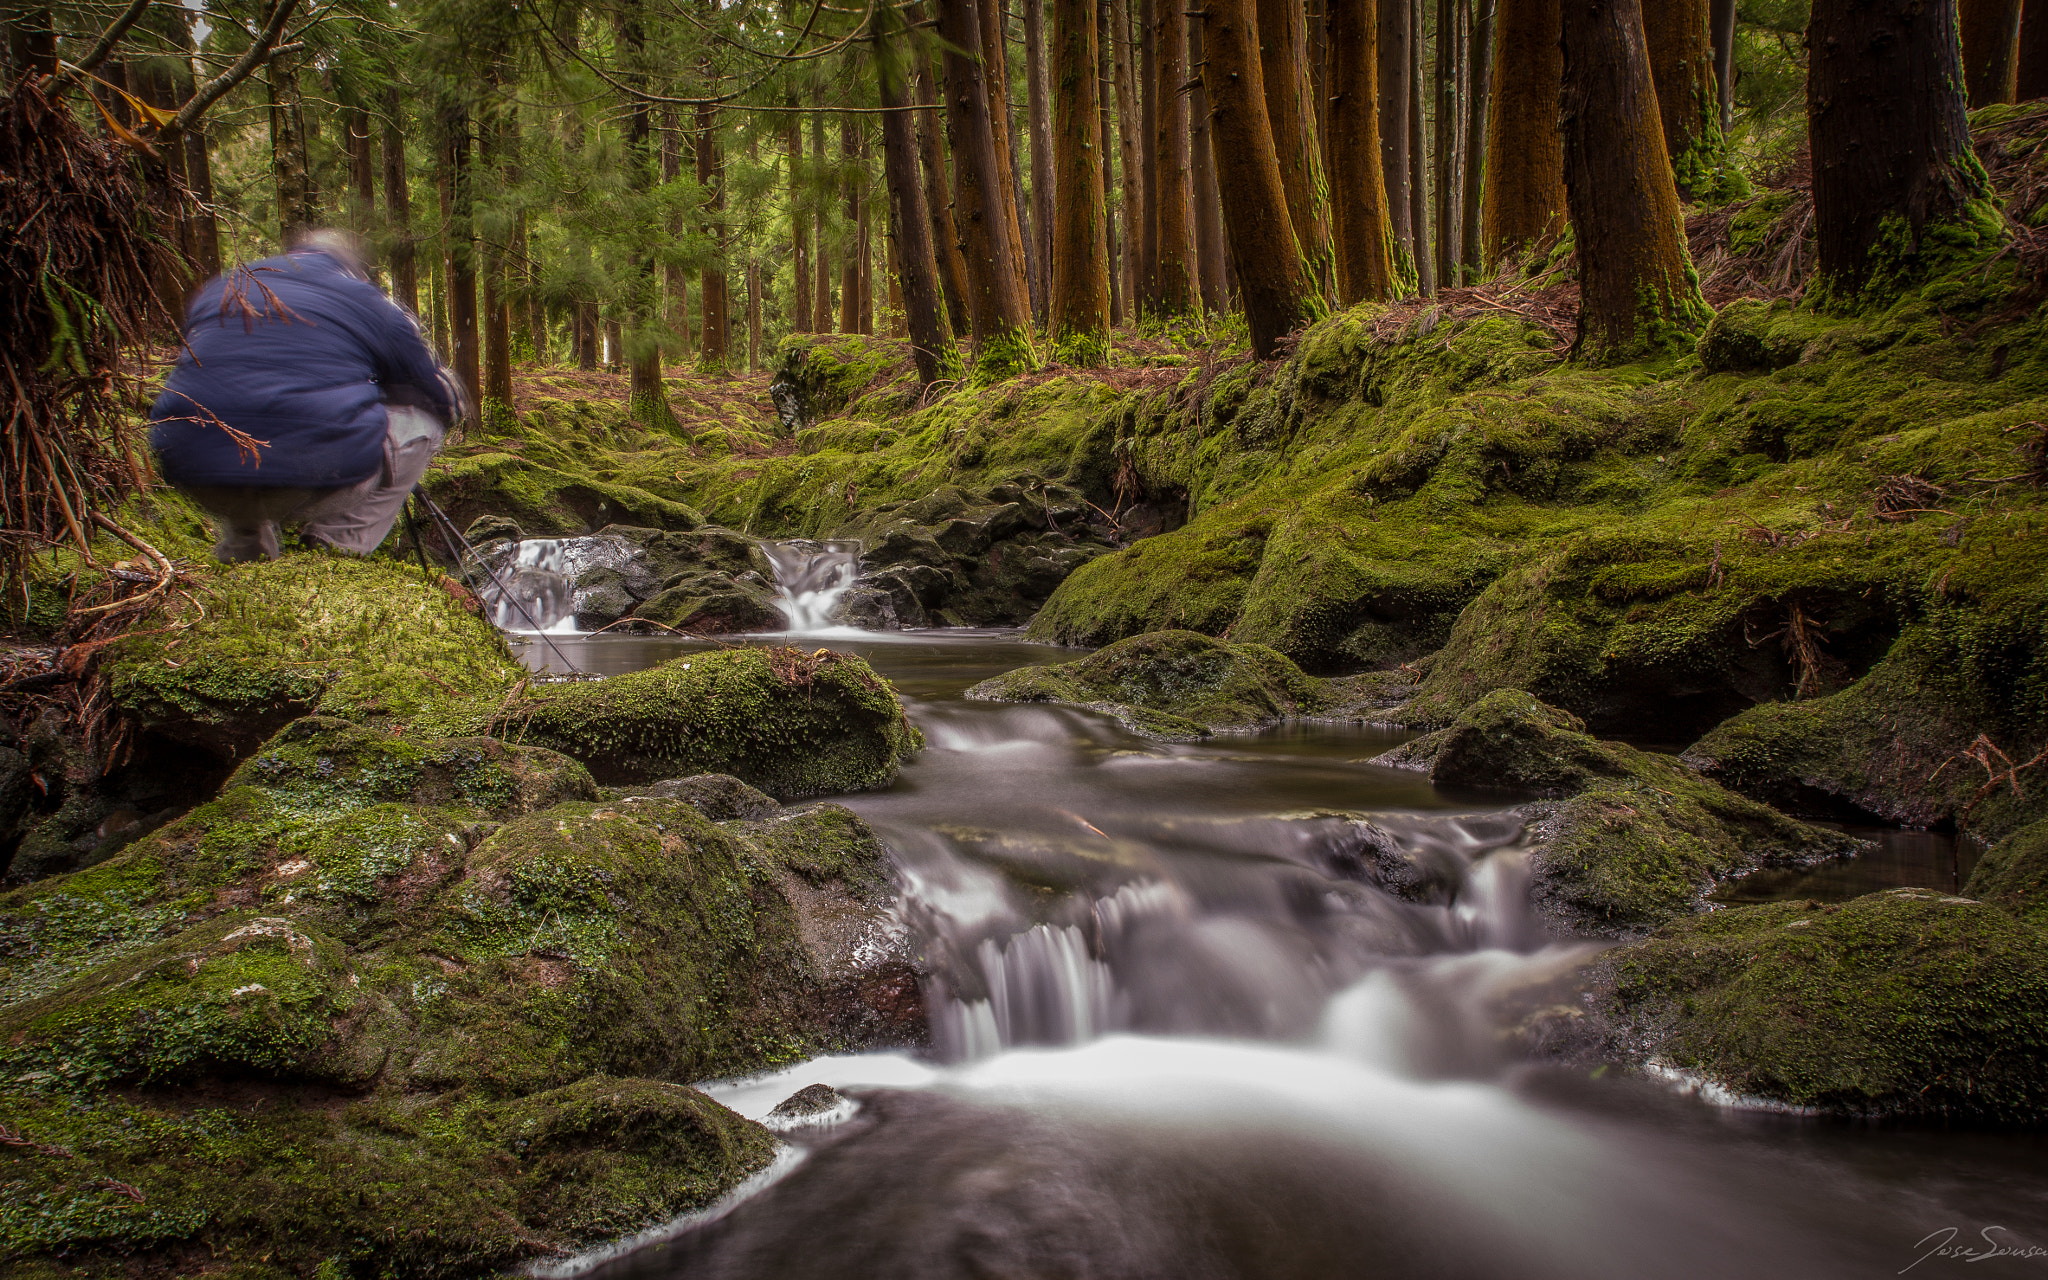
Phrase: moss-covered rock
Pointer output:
(320, 766)
(257, 645)
(791, 723)
(1170, 684)
(2014, 874)
(1630, 839)
(1905, 1003)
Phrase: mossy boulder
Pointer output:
(320, 766)
(2014, 874)
(1752, 334)
(1629, 839)
(1169, 684)
(713, 604)
(1904, 1003)
(790, 723)
(257, 645)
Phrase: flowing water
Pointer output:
(810, 577)
(1178, 1033)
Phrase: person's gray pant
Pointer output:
(353, 518)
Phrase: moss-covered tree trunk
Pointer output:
(1270, 276)
(1991, 38)
(1176, 288)
(910, 224)
(1524, 197)
(1396, 64)
(1638, 292)
(1682, 69)
(998, 307)
(1361, 230)
(931, 157)
(1290, 111)
(298, 209)
(1079, 312)
(1896, 187)
(1208, 212)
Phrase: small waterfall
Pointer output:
(810, 577)
(531, 590)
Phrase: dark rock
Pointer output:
(2014, 874)
(809, 1101)
(712, 604)
(872, 608)
(489, 528)
(1169, 684)
(717, 796)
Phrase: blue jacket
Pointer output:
(296, 353)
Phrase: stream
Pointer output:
(1178, 1034)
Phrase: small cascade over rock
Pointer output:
(810, 579)
(536, 584)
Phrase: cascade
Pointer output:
(537, 592)
(810, 577)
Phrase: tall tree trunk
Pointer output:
(1177, 290)
(1042, 182)
(1283, 48)
(1276, 290)
(939, 199)
(998, 305)
(1147, 237)
(1688, 101)
(1721, 21)
(1079, 311)
(716, 330)
(495, 409)
(850, 194)
(1991, 37)
(753, 315)
(1418, 156)
(1470, 254)
(405, 269)
(821, 264)
(1444, 156)
(1202, 181)
(2033, 55)
(1319, 68)
(863, 233)
(675, 277)
(1112, 187)
(460, 254)
(1637, 289)
(1396, 65)
(297, 209)
(1891, 146)
(1127, 155)
(1008, 200)
(1524, 198)
(799, 219)
(910, 228)
(1360, 227)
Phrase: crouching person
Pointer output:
(304, 397)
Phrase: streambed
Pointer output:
(1178, 1033)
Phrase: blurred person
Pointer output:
(304, 397)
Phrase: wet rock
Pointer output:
(321, 765)
(2014, 874)
(1904, 1003)
(1629, 839)
(791, 723)
(871, 608)
(811, 1100)
(716, 796)
(1169, 684)
(489, 528)
(711, 604)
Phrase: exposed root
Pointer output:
(1900, 498)
(1998, 767)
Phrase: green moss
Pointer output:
(789, 723)
(1902, 1003)
(2014, 874)
(260, 644)
(320, 766)
(1634, 838)
(1187, 681)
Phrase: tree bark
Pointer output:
(405, 270)
(1991, 37)
(1127, 155)
(1449, 139)
(753, 315)
(675, 277)
(1147, 238)
(1361, 230)
(297, 208)
(640, 345)
(1418, 157)
(1891, 143)
(461, 251)
(850, 193)
(1208, 213)
(496, 404)
(1721, 21)
(799, 219)
(1637, 289)
(1276, 290)
(1079, 310)
(910, 227)
(1177, 291)
(1688, 101)
(1008, 200)
(939, 199)
(1394, 70)
(999, 310)
(1283, 51)
(2033, 54)
(715, 330)
(1105, 88)
(1043, 183)
(864, 236)
(1524, 198)
(1471, 256)
(821, 264)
